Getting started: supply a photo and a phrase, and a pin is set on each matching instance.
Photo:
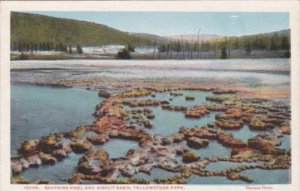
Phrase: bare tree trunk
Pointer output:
(201, 47)
(191, 48)
(216, 51)
(229, 49)
(199, 43)
(182, 48)
(154, 51)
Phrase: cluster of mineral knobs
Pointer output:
(113, 121)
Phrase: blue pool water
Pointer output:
(37, 111)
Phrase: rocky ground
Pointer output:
(114, 122)
(238, 104)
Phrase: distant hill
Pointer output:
(194, 37)
(210, 37)
(34, 28)
(285, 32)
(152, 37)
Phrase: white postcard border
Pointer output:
(207, 6)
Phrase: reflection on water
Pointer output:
(37, 111)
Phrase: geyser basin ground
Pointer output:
(186, 140)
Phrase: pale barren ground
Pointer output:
(255, 78)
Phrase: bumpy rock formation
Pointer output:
(219, 99)
(189, 156)
(47, 159)
(236, 176)
(28, 147)
(177, 179)
(231, 113)
(78, 132)
(224, 91)
(49, 143)
(196, 112)
(104, 94)
(189, 98)
(228, 140)
(80, 146)
(19, 180)
(266, 146)
(257, 124)
(60, 154)
(92, 162)
(173, 108)
(142, 103)
(16, 166)
(134, 93)
(98, 139)
(229, 124)
(197, 142)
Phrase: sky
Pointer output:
(180, 23)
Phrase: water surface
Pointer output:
(194, 179)
(280, 176)
(214, 149)
(59, 172)
(37, 111)
(244, 133)
(118, 147)
(285, 142)
(167, 122)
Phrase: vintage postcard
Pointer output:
(150, 95)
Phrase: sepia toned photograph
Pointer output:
(186, 98)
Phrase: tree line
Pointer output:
(45, 46)
(274, 41)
